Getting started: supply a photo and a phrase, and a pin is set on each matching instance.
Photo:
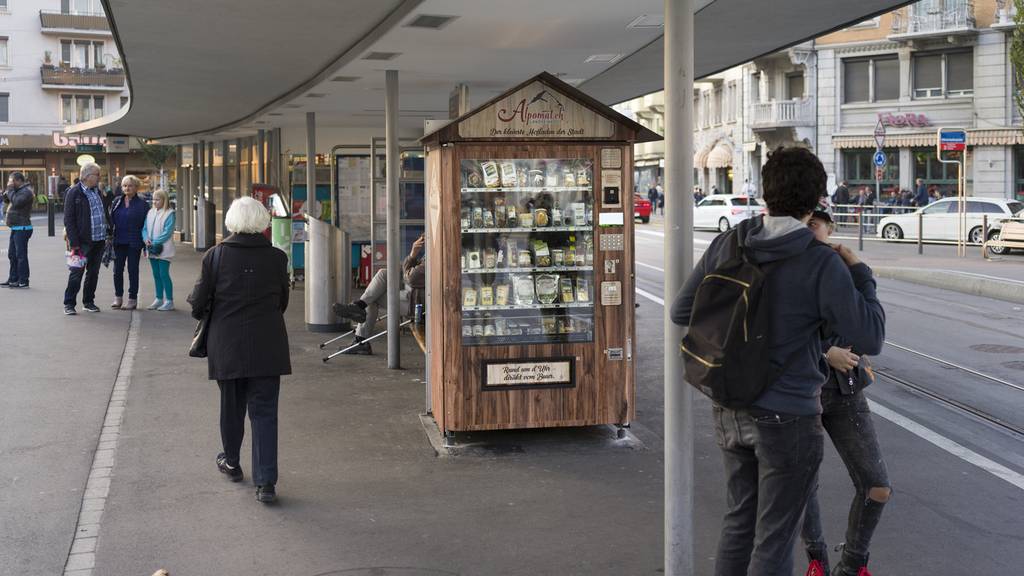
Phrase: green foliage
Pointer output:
(156, 154)
(1016, 49)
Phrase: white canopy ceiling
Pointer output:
(225, 68)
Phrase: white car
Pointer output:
(723, 211)
(940, 219)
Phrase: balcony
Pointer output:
(782, 114)
(61, 23)
(1005, 12)
(90, 78)
(946, 18)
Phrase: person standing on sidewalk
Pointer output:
(19, 198)
(847, 420)
(128, 216)
(247, 344)
(158, 234)
(87, 226)
(921, 196)
(772, 448)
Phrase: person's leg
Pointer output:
(12, 257)
(789, 450)
(377, 289)
(134, 255)
(120, 258)
(23, 269)
(262, 399)
(853, 433)
(74, 283)
(812, 532)
(165, 275)
(158, 283)
(232, 417)
(734, 433)
(92, 272)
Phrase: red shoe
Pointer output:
(816, 569)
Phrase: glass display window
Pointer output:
(527, 253)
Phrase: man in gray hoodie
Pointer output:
(772, 449)
(18, 199)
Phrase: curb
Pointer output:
(976, 284)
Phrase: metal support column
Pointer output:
(678, 265)
(200, 201)
(320, 286)
(261, 168)
(278, 159)
(224, 199)
(393, 238)
(238, 168)
(179, 180)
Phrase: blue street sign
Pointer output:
(879, 158)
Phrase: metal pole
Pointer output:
(678, 263)
(200, 202)
(373, 204)
(224, 153)
(238, 167)
(920, 232)
(51, 197)
(261, 168)
(394, 241)
(984, 232)
(860, 228)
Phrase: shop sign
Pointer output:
(536, 111)
(908, 120)
(541, 372)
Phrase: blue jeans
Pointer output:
(259, 396)
(162, 278)
(17, 253)
(126, 254)
(771, 462)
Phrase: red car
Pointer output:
(641, 208)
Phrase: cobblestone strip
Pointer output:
(82, 556)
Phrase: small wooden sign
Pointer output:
(556, 372)
(536, 111)
(611, 157)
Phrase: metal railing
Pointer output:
(50, 19)
(797, 112)
(919, 19)
(54, 76)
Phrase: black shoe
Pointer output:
(69, 311)
(363, 349)
(266, 493)
(18, 285)
(7, 283)
(90, 308)
(351, 311)
(233, 472)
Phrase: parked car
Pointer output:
(996, 229)
(723, 211)
(641, 208)
(940, 219)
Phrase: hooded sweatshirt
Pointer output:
(810, 291)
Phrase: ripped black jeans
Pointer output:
(847, 419)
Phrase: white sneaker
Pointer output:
(155, 305)
(167, 306)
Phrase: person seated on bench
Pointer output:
(365, 310)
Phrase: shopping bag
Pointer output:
(75, 259)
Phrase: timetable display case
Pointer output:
(529, 241)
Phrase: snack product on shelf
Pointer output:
(524, 289)
(508, 174)
(492, 179)
(547, 288)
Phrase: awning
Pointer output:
(700, 159)
(1008, 137)
(720, 156)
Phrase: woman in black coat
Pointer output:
(247, 343)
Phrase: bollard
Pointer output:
(860, 229)
(50, 226)
(920, 232)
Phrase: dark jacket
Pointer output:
(811, 292)
(921, 196)
(78, 218)
(247, 335)
(128, 220)
(19, 206)
(841, 196)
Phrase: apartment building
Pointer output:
(59, 65)
(934, 63)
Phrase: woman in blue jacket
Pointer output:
(128, 216)
(158, 235)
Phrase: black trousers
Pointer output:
(259, 396)
(93, 253)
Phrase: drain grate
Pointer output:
(1015, 365)
(997, 349)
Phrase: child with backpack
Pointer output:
(755, 306)
(847, 419)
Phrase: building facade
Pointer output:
(59, 65)
(936, 63)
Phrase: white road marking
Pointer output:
(958, 450)
(639, 263)
(662, 235)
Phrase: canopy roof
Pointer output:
(226, 68)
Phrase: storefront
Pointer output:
(858, 170)
(1018, 172)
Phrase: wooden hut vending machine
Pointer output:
(530, 298)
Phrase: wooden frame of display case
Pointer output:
(540, 364)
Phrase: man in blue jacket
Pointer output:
(772, 449)
(87, 225)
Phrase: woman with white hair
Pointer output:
(128, 216)
(158, 235)
(243, 287)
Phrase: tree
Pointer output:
(1016, 49)
(158, 154)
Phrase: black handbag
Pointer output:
(155, 249)
(198, 347)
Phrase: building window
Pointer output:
(65, 52)
(124, 101)
(75, 109)
(730, 101)
(5, 107)
(935, 174)
(871, 79)
(795, 86)
(755, 87)
(716, 115)
(67, 109)
(4, 58)
(97, 106)
(4, 7)
(92, 7)
(943, 74)
(1018, 176)
(97, 48)
(859, 170)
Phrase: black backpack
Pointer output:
(726, 347)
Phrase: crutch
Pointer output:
(336, 338)
(371, 338)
